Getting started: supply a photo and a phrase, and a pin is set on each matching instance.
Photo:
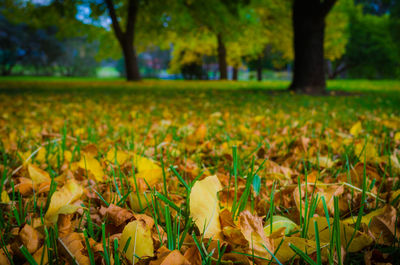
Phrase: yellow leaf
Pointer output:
(38, 175)
(141, 243)
(323, 161)
(68, 156)
(277, 223)
(204, 207)
(88, 162)
(61, 201)
(366, 219)
(360, 240)
(147, 169)
(366, 151)
(118, 155)
(397, 137)
(356, 129)
(285, 253)
(4, 197)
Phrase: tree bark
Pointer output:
(235, 73)
(309, 29)
(126, 38)
(221, 49)
(131, 62)
(259, 68)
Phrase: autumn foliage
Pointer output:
(205, 177)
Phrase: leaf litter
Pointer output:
(205, 181)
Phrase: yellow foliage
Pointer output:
(204, 206)
(61, 201)
(141, 243)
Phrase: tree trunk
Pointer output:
(309, 28)
(259, 68)
(235, 73)
(131, 63)
(126, 38)
(223, 73)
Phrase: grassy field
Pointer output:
(110, 172)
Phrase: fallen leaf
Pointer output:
(116, 214)
(173, 257)
(147, 170)
(356, 129)
(383, 226)
(360, 239)
(285, 252)
(252, 229)
(89, 162)
(30, 238)
(61, 201)
(117, 156)
(277, 223)
(75, 247)
(38, 175)
(141, 242)
(204, 206)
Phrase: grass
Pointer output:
(116, 84)
(249, 134)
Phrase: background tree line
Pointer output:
(316, 39)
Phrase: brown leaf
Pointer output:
(230, 230)
(235, 258)
(192, 254)
(172, 258)
(74, 247)
(252, 229)
(64, 224)
(30, 238)
(383, 227)
(3, 257)
(116, 214)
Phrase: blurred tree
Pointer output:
(219, 19)
(372, 51)
(123, 16)
(46, 32)
(276, 17)
(78, 57)
(309, 33)
(377, 7)
(137, 25)
(14, 45)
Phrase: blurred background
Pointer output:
(188, 39)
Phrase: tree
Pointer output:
(309, 30)
(372, 51)
(126, 37)
(221, 19)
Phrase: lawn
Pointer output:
(179, 172)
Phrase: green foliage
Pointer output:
(277, 17)
(372, 52)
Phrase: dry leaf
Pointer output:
(116, 214)
(74, 246)
(252, 229)
(285, 253)
(147, 170)
(38, 175)
(141, 242)
(30, 238)
(383, 226)
(89, 163)
(360, 240)
(61, 201)
(356, 129)
(204, 206)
